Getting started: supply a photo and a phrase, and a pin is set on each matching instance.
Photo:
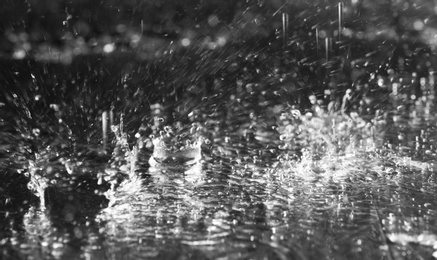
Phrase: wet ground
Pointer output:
(272, 183)
(256, 135)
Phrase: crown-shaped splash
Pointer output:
(177, 145)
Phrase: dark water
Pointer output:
(271, 184)
(221, 130)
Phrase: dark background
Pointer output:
(91, 56)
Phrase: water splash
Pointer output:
(167, 149)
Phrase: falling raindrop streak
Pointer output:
(142, 28)
(340, 19)
(317, 41)
(285, 20)
(105, 128)
(111, 116)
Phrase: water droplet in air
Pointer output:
(36, 132)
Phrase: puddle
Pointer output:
(303, 146)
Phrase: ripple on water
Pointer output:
(298, 193)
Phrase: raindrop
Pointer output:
(55, 107)
(340, 19)
(36, 131)
(108, 48)
(285, 23)
(213, 20)
(185, 42)
(317, 41)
